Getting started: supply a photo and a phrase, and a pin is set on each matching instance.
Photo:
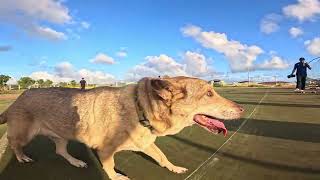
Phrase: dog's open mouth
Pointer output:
(212, 124)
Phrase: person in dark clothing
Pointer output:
(83, 84)
(301, 74)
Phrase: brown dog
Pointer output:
(115, 119)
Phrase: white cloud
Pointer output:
(96, 77)
(43, 63)
(240, 56)
(122, 54)
(48, 10)
(270, 23)
(50, 33)
(27, 14)
(196, 64)
(102, 58)
(313, 46)
(140, 71)
(155, 66)
(65, 72)
(272, 52)
(295, 32)
(191, 30)
(275, 62)
(64, 69)
(192, 64)
(45, 75)
(303, 10)
(165, 65)
(85, 25)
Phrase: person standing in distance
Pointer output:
(83, 84)
(301, 74)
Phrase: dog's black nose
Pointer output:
(241, 109)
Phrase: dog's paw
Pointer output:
(24, 159)
(120, 177)
(178, 170)
(78, 163)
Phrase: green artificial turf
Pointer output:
(280, 140)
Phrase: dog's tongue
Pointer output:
(217, 125)
(211, 124)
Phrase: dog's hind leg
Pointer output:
(61, 149)
(154, 152)
(16, 145)
(21, 130)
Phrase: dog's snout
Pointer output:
(237, 108)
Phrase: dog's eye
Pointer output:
(209, 93)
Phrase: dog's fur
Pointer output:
(107, 119)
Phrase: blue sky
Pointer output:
(105, 41)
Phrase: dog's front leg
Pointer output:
(154, 152)
(107, 160)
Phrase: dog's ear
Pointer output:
(162, 89)
(156, 97)
(167, 91)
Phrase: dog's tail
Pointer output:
(3, 118)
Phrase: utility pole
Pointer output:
(228, 79)
(248, 76)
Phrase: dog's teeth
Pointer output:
(215, 132)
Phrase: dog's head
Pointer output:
(170, 104)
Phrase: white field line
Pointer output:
(242, 124)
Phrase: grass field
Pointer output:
(279, 138)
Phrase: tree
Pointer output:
(26, 82)
(44, 83)
(73, 83)
(63, 84)
(4, 79)
(48, 83)
(40, 82)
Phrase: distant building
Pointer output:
(268, 83)
(243, 82)
(216, 82)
